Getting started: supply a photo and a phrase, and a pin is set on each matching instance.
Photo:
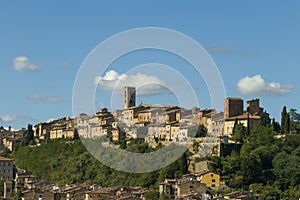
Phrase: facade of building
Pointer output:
(245, 119)
(88, 126)
(210, 179)
(187, 186)
(6, 168)
(213, 121)
(41, 129)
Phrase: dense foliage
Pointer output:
(265, 165)
(66, 162)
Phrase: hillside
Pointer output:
(65, 162)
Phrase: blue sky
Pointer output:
(43, 44)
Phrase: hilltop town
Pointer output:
(165, 123)
(155, 125)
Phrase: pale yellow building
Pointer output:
(62, 128)
(242, 119)
(210, 179)
(233, 109)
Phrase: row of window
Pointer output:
(5, 171)
(5, 164)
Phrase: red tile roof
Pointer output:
(5, 159)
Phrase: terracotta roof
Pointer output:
(5, 159)
(243, 116)
(241, 197)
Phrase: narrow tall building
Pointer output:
(129, 97)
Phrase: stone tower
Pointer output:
(253, 107)
(233, 107)
(129, 97)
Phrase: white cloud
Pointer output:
(37, 97)
(112, 81)
(22, 63)
(8, 118)
(257, 86)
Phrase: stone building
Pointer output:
(233, 110)
(89, 126)
(6, 168)
(105, 117)
(41, 129)
(188, 185)
(253, 107)
(213, 121)
(62, 128)
(245, 119)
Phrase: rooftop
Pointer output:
(245, 115)
(5, 159)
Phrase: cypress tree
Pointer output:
(236, 122)
(283, 119)
(29, 134)
(287, 123)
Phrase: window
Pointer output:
(213, 185)
(213, 180)
(211, 175)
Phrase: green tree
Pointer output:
(267, 192)
(294, 120)
(236, 122)
(283, 119)
(287, 123)
(286, 168)
(29, 134)
(261, 136)
(76, 134)
(239, 133)
(294, 116)
(152, 195)
(251, 169)
(265, 119)
(201, 131)
(275, 125)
